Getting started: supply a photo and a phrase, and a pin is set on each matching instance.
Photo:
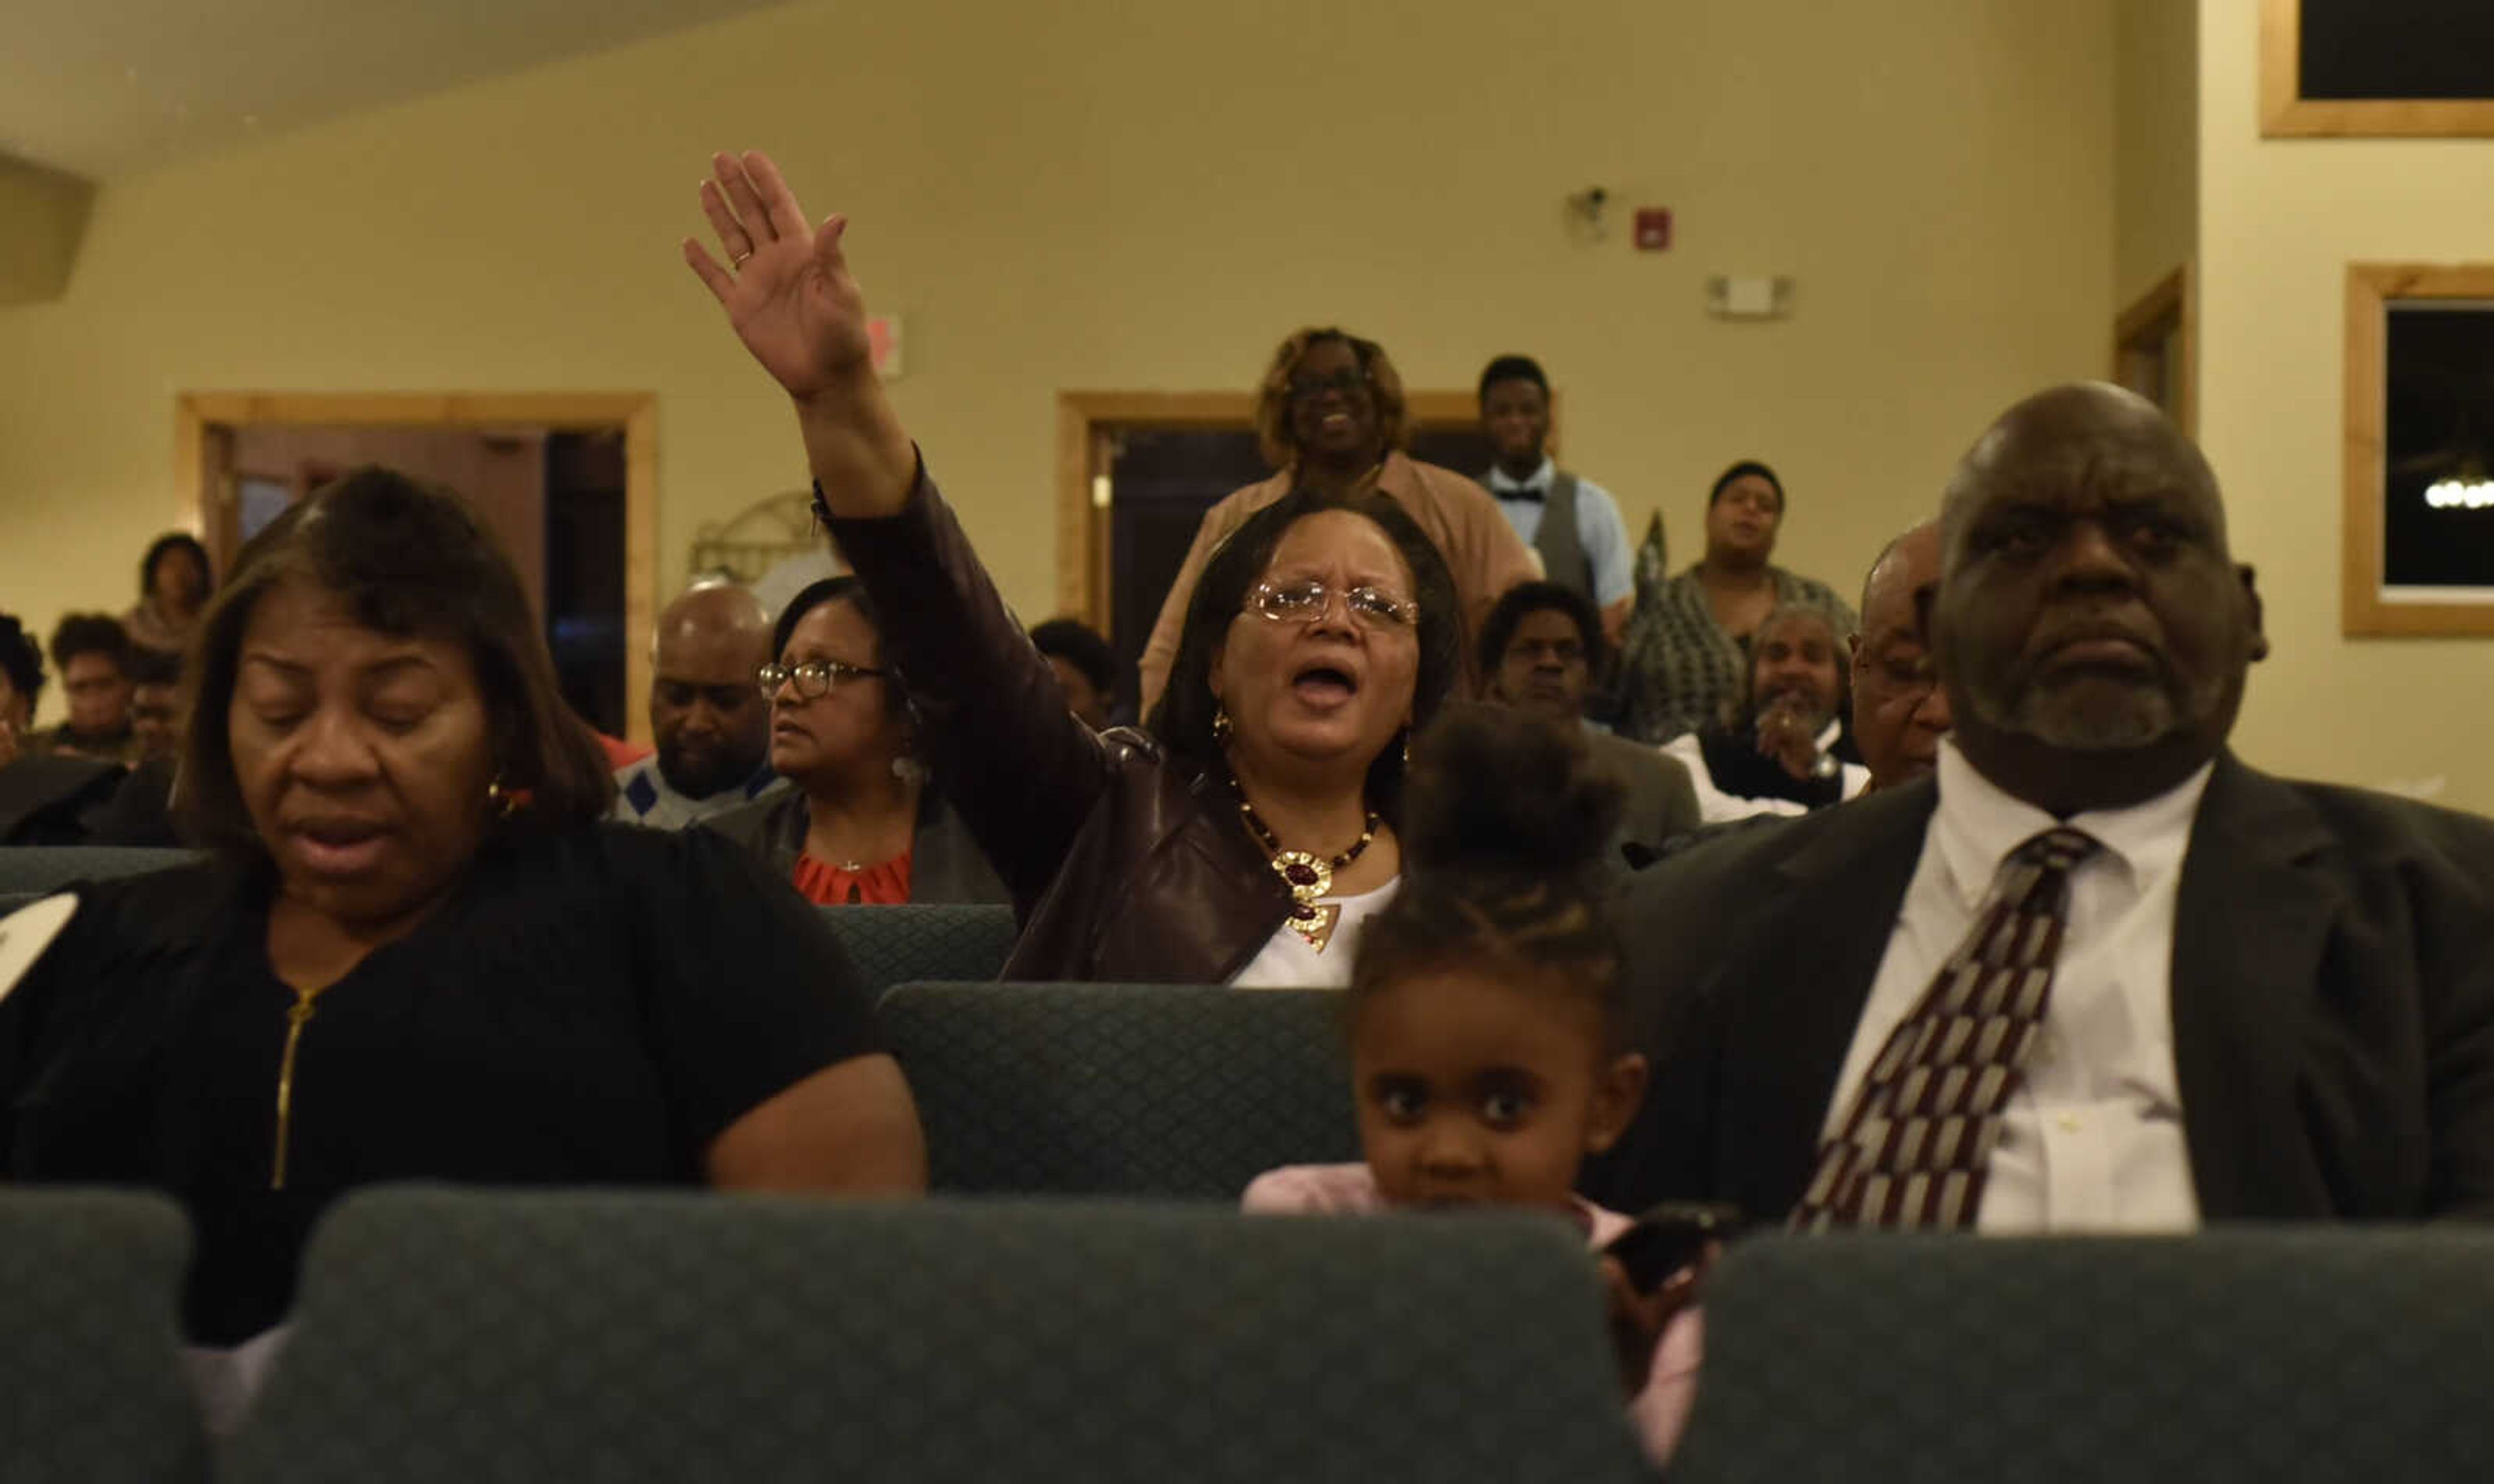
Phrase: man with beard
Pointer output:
(1791, 753)
(1900, 712)
(1540, 647)
(2097, 973)
(707, 712)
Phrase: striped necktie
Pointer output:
(1917, 1142)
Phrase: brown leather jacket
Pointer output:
(1126, 864)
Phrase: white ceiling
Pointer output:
(105, 87)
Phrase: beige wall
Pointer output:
(2156, 141)
(1144, 195)
(2279, 221)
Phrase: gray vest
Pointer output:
(1563, 549)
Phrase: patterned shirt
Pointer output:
(1678, 669)
(643, 795)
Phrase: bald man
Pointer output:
(2095, 973)
(1899, 711)
(707, 712)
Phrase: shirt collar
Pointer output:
(1979, 822)
(1501, 481)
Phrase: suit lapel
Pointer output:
(1793, 990)
(2252, 918)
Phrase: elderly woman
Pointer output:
(1246, 837)
(860, 826)
(1331, 418)
(418, 954)
(1793, 749)
(1684, 655)
(173, 584)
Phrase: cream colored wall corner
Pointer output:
(2156, 143)
(2278, 223)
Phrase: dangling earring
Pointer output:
(1221, 726)
(909, 770)
(505, 802)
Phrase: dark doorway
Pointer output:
(583, 573)
(1165, 478)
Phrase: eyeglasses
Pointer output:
(1305, 603)
(1347, 380)
(814, 681)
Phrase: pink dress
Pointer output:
(1659, 1412)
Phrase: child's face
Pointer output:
(1473, 1091)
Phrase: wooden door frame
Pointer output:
(2171, 302)
(1083, 526)
(197, 415)
(2365, 608)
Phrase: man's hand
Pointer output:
(1790, 734)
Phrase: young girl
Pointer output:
(1484, 1010)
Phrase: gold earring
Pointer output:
(503, 801)
(1220, 725)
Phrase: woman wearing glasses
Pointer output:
(1329, 415)
(859, 824)
(1247, 835)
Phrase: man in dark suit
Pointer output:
(2272, 999)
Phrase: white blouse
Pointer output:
(1290, 961)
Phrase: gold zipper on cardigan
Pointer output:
(298, 1016)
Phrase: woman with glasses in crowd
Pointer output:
(1331, 418)
(1246, 836)
(859, 824)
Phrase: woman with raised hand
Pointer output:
(1242, 840)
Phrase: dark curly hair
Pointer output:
(21, 659)
(1078, 645)
(1526, 598)
(1183, 719)
(1507, 825)
(165, 545)
(410, 559)
(90, 633)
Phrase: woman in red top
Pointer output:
(859, 824)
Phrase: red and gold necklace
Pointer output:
(1307, 876)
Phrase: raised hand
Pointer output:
(786, 287)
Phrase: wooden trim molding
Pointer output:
(2367, 606)
(2172, 301)
(197, 414)
(2285, 113)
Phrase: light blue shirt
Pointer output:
(1598, 529)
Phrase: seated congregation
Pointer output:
(1956, 916)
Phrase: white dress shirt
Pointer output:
(2092, 1141)
(1599, 530)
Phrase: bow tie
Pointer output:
(1532, 491)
